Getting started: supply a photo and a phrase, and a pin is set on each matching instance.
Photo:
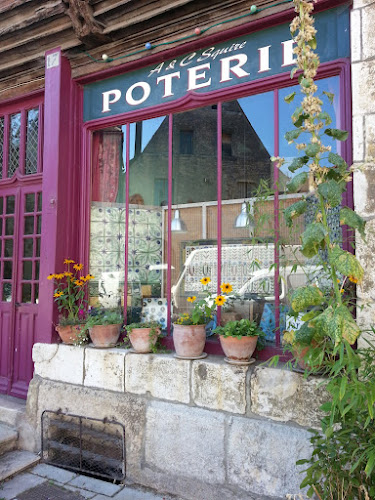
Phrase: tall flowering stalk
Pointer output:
(328, 321)
(70, 292)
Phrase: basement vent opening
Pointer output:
(85, 445)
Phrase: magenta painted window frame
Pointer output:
(340, 67)
(22, 106)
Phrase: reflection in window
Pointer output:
(186, 142)
(1, 145)
(14, 143)
(31, 164)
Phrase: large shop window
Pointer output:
(205, 171)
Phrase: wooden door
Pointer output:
(20, 228)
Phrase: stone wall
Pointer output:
(363, 90)
(200, 429)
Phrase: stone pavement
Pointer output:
(45, 482)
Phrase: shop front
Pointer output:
(159, 172)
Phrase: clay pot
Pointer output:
(68, 333)
(105, 335)
(238, 349)
(189, 340)
(142, 340)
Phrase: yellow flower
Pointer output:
(59, 276)
(342, 290)
(205, 280)
(50, 277)
(353, 279)
(89, 277)
(58, 294)
(78, 267)
(68, 274)
(82, 278)
(78, 283)
(220, 300)
(68, 261)
(226, 287)
(192, 299)
(338, 281)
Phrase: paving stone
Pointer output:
(11, 410)
(19, 484)
(53, 473)
(84, 493)
(92, 484)
(16, 461)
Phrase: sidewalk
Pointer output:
(45, 482)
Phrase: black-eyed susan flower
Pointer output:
(226, 287)
(78, 267)
(192, 299)
(58, 294)
(205, 280)
(353, 279)
(78, 282)
(68, 261)
(59, 276)
(50, 277)
(220, 300)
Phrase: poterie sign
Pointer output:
(245, 59)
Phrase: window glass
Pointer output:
(1, 145)
(295, 269)
(14, 143)
(148, 194)
(31, 164)
(194, 207)
(107, 220)
(247, 252)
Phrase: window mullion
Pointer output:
(276, 217)
(169, 219)
(219, 197)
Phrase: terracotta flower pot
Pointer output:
(238, 349)
(189, 340)
(141, 339)
(105, 335)
(68, 333)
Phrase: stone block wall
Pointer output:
(363, 108)
(200, 429)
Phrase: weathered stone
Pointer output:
(185, 441)
(105, 369)
(365, 319)
(59, 362)
(262, 456)
(219, 386)
(79, 400)
(358, 139)
(368, 36)
(163, 376)
(362, 3)
(370, 135)
(16, 461)
(287, 396)
(355, 35)
(363, 79)
(365, 252)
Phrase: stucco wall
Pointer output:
(200, 429)
(363, 91)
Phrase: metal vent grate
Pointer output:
(86, 445)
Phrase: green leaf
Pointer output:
(302, 117)
(298, 163)
(295, 210)
(337, 323)
(352, 219)
(329, 95)
(304, 335)
(306, 296)
(370, 465)
(306, 82)
(326, 117)
(313, 43)
(339, 161)
(312, 149)
(340, 135)
(293, 72)
(331, 192)
(311, 315)
(291, 135)
(346, 263)
(289, 98)
(297, 182)
(343, 384)
(312, 239)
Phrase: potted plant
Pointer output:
(104, 326)
(69, 294)
(189, 330)
(239, 339)
(143, 336)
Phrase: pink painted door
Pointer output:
(20, 228)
